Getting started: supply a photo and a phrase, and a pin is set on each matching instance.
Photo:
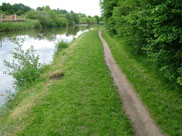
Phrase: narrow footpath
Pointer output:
(136, 111)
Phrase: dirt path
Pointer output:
(138, 114)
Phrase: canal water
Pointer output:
(43, 41)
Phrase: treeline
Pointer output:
(57, 17)
(152, 28)
(9, 9)
(49, 17)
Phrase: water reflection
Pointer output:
(43, 41)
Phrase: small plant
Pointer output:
(61, 45)
(25, 67)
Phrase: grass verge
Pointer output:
(84, 102)
(161, 98)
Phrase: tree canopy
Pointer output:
(18, 9)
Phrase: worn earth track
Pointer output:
(136, 111)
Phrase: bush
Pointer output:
(61, 45)
(25, 67)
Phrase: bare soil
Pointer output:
(57, 76)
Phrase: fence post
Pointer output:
(1, 44)
(1, 17)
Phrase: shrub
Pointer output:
(25, 67)
(61, 45)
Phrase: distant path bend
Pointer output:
(136, 111)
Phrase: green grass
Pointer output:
(12, 26)
(161, 97)
(84, 102)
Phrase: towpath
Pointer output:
(136, 111)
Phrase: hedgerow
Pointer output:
(151, 28)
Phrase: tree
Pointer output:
(13, 9)
(75, 18)
(47, 8)
(19, 12)
(70, 19)
(97, 19)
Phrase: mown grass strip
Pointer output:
(84, 102)
(162, 100)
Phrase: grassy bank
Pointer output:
(161, 97)
(84, 102)
(12, 26)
